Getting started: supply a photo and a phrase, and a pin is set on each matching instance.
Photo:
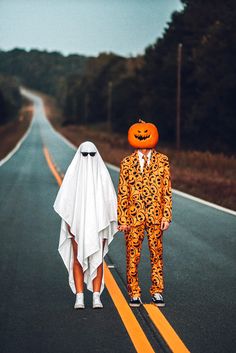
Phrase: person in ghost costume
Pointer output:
(86, 203)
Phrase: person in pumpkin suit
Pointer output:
(144, 205)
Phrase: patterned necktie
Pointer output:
(145, 165)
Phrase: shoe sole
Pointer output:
(135, 305)
(161, 305)
(79, 307)
(98, 307)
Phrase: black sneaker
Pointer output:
(135, 302)
(158, 300)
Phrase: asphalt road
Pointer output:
(36, 304)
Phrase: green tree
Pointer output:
(10, 99)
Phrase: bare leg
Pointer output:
(77, 270)
(98, 279)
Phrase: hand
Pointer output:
(124, 228)
(164, 224)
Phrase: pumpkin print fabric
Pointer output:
(144, 199)
(144, 196)
(134, 241)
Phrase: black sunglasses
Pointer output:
(92, 154)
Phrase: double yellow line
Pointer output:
(130, 322)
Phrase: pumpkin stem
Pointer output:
(141, 121)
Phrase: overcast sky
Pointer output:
(125, 27)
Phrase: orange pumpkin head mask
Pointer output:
(143, 135)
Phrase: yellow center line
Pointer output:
(166, 330)
(51, 166)
(130, 322)
(133, 328)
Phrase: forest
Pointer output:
(10, 98)
(90, 90)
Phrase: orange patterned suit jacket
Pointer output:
(144, 196)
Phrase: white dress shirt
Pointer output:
(141, 160)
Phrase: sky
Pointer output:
(87, 27)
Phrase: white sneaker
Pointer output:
(97, 304)
(79, 301)
(135, 302)
(158, 300)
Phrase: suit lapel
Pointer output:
(154, 159)
(135, 162)
(136, 165)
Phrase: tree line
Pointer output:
(36, 69)
(10, 98)
(90, 89)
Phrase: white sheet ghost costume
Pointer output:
(87, 202)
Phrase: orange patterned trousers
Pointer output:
(134, 239)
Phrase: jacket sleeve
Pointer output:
(167, 193)
(123, 195)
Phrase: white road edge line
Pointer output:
(177, 192)
(207, 203)
(18, 145)
(188, 196)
